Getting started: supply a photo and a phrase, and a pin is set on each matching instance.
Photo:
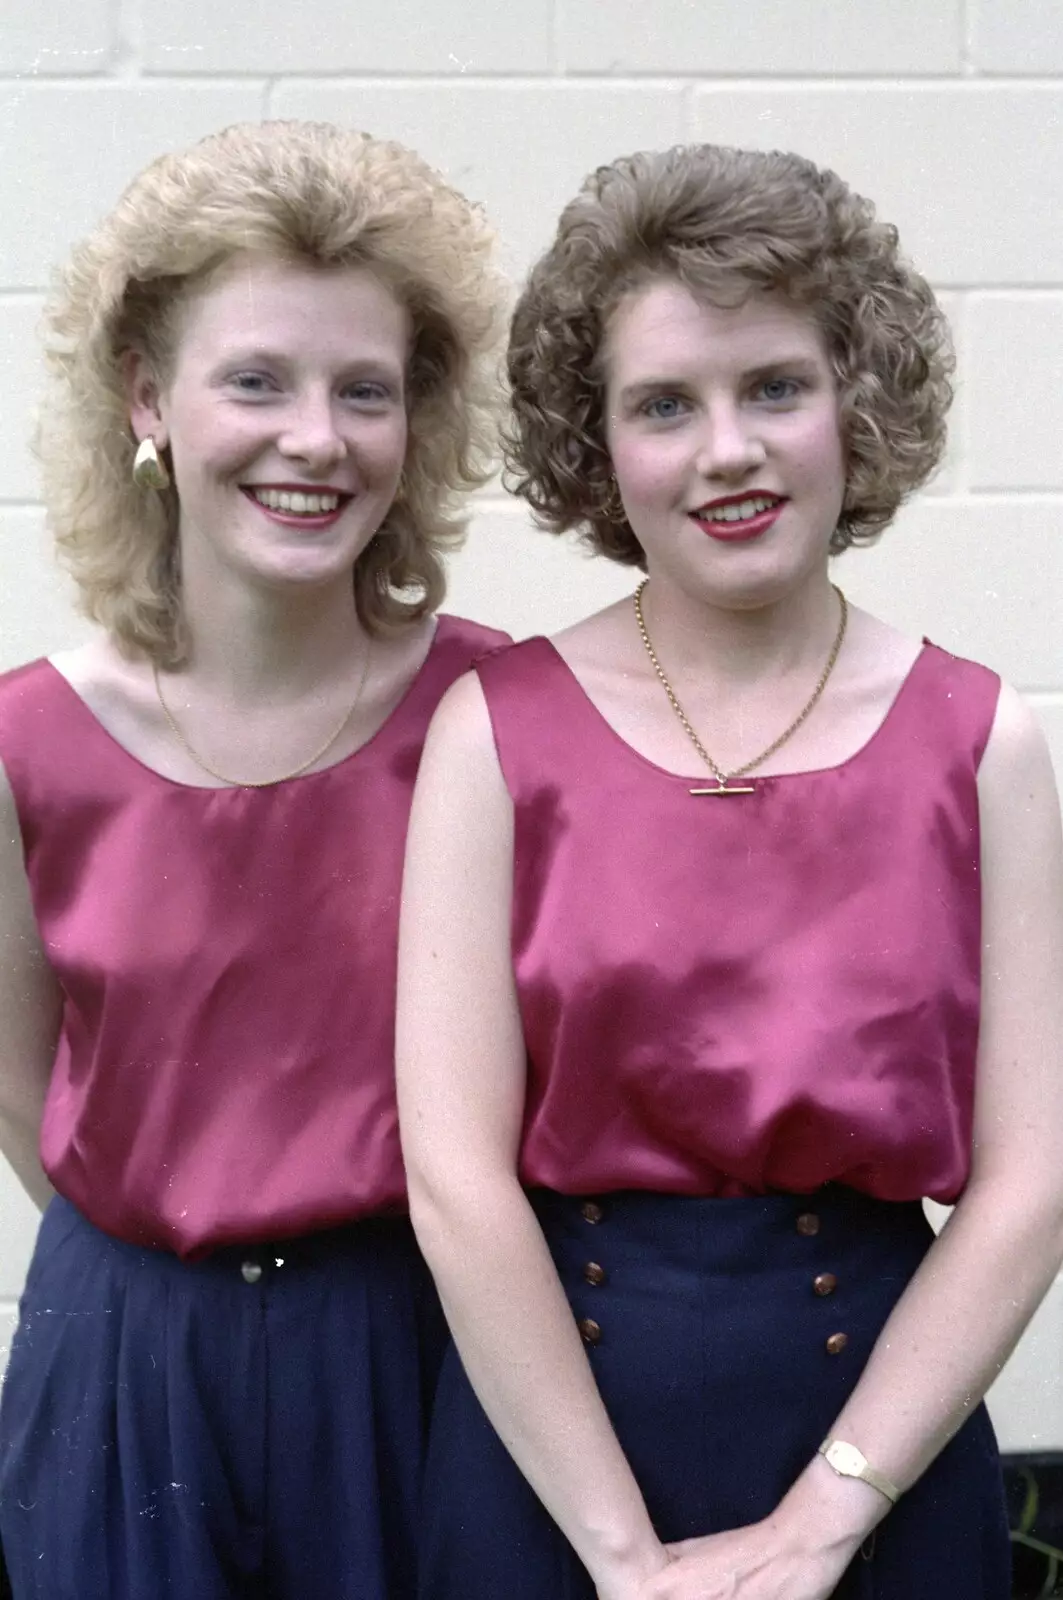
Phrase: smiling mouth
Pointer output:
(296, 503)
(739, 510)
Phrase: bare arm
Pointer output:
(982, 1279)
(1003, 1244)
(29, 1013)
(461, 1077)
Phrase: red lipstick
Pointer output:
(738, 530)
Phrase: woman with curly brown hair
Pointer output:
(758, 942)
(274, 378)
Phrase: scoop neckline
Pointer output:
(282, 783)
(701, 779)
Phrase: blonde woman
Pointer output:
(272, 385)
(760, 942)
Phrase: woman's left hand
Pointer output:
(752, 1563)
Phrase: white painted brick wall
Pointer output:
(1015, 364)
(1010, 37)
(762, 38)
(965, 168)
(948, 115)
(68, 38)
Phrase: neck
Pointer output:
(741, 645)
(280, 644)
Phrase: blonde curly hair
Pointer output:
(292, 190)
(724, 223)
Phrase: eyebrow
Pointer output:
(371, 366)
(357, 368)
(802, 365)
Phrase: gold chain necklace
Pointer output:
(263, 783)
(723, 778)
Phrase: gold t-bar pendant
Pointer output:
(724, 788)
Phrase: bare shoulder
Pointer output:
(462, 816)
(1017, 752)
(460, 747)
(461, 719)
(1021, 827)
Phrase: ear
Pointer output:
(144, 398)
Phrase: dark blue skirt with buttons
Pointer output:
(249, 1425)
(725, 1336)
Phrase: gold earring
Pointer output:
(149, 470)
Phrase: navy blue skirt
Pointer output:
(725, 1337)
(250, 1425)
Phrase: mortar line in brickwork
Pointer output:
(1023, 496)
(555, 63)
(137, 79)
(41, 73)
(812, 82)
(128, 38)
(998, 291)
(834, 82)
(838, 81)
(343, 78)
(1016, 497)
(966, 24)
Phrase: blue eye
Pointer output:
(779, 388)
(251, 382)
(665, 408)
(368, 392)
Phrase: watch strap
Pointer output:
(860, 1469)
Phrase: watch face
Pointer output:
(846, 1458)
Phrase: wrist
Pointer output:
(620, 1559)
(826, 1512)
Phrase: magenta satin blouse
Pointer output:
(227, 958)
(763, 993)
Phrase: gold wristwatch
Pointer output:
(849, 1462)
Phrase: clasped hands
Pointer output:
(752, 1563)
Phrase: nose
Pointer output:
(310, 434)
(730, 446)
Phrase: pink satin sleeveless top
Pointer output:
(754, 994)
(225, 1070)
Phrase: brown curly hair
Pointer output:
(724, 223)
(293, 190)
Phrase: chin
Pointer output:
(296, 576)
(740, 582)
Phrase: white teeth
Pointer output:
(739, 511)
(305, 505)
